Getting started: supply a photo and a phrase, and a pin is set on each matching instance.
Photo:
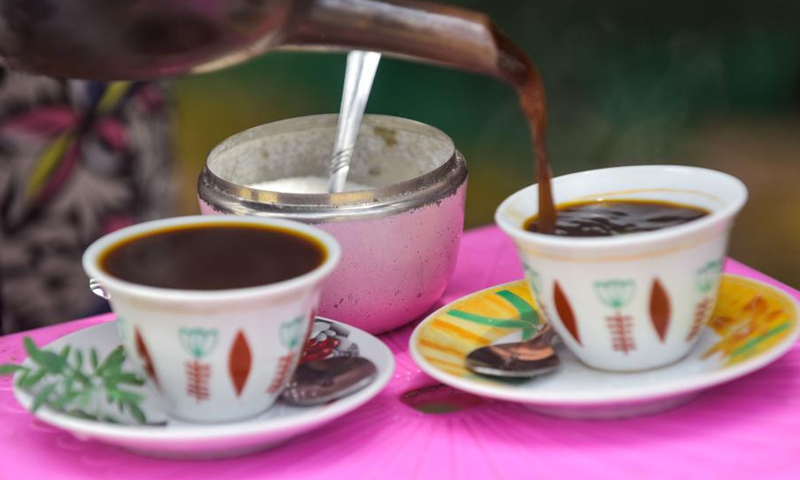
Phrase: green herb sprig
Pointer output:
(66, 383)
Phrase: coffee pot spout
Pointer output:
(143, 39)
(420, 31)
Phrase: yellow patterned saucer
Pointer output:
(752, 325)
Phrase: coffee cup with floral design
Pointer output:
(634, 301)
(214, 355)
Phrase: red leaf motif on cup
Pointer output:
(564, 310)
(240, 361)
(147, 363)
(659, 309)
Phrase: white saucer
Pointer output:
(178, 439)
(752, 325)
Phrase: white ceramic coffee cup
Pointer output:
(635, 301)
(219, 355)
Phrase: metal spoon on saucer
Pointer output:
(360, 72)
(526, 359)
(321, 381)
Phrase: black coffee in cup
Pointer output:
(213, 257)
(617, 217)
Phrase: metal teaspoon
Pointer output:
(526, 359)
(321, 381)
(359, 74)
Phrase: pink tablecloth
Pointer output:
(749, 428)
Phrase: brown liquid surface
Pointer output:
(217, 257)
(610, 218)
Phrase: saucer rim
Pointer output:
(646, 392)
(315, 416)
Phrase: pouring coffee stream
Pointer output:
(142, 39)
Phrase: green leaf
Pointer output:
(128, 378)
(137, 413)
(23, 376)
(49, 361)
(9, 368)
(84, 398)
(78, 413)
(71, 386)
(126, 396)
(81, 377)
(113, 361)
(30, 347)
(109, 386)
(64, 400)
(42, 396)
(32, 379)
(108, 419)
(64, 354)
(123, 396)
(93, 358)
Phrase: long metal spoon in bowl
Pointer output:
(360, 72)
(526, 359)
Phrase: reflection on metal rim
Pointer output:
(433, 186)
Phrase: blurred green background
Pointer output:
(712, 83)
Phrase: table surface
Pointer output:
(749, 428)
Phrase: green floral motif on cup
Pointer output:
(708, 275)
(616, 293)
(534, 279)
(198, 342)
(291, 332)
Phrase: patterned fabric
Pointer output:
(77, 159)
